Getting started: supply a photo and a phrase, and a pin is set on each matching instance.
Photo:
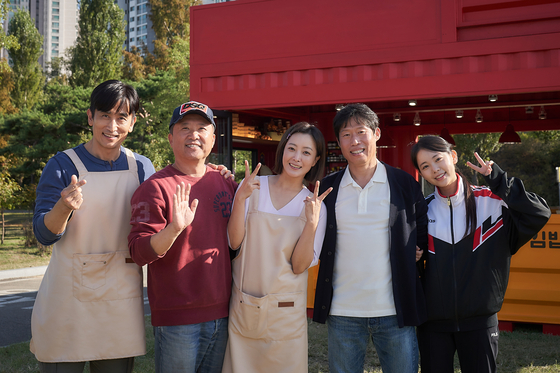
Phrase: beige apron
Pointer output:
(267, 316)
(90, 303)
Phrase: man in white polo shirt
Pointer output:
(368, 284)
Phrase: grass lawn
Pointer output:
(13, 253)
(526, 350)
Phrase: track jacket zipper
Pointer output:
(454, 262)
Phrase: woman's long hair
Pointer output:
(438, 144)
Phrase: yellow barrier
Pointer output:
(312, 274)
(533, 293)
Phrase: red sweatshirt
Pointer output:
(190, 283)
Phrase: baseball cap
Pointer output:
(192, 107)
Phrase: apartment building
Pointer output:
(56, 20)
(138, 30)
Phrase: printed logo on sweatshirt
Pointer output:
(486, 230)
(222, 203)
(140, 212)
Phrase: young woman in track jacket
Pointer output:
(473, 231)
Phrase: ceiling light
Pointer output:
(459, 114)
(529, 110)
(542, 113)
(510, 136)
(417, 120)
(412, 102)
(493, 98)
(338, 107)
(446, 136)
(397, 117)
(478, 116)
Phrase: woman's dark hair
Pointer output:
(316, 172)
(112, 92)
(361, 113)
(438, 144)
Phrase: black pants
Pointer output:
(98, 366)
(477, 350)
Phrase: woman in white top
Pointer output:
(278, 226)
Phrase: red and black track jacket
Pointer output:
(466, 277)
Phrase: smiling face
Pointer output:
(109, 131)
(358, 144)
(300, 155)
(192, 139)
(438, 168)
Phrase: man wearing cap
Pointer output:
(179, 221)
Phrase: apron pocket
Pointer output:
(287, 316)
(247, 314)
(94, 274)
(92, 277)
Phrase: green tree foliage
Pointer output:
(8, 195)
(534, 161)
(170, 20)
(55, 70)
(97, 54)
(33, 137)
(239, 158)
(6, 87)
(484, 144)
(179, 61)
(159, 95)
(136, 66)
(6, 78)
(9, 189)
(6, 41)
(27, 73)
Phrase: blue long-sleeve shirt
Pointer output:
(57, 175)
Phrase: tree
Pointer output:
(9, 189)
(27, 73)
(170, 22)
(135, 67)
(97, 54)
(8, 192)
(6, 79)
(33, 137)
(534, 161)
(159, 95)
(170, 18)
(485, 144)
(6, 41)
(55, 70)
(6, 87)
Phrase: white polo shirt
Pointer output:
(362, 270)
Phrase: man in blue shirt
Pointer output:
(90, 303)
